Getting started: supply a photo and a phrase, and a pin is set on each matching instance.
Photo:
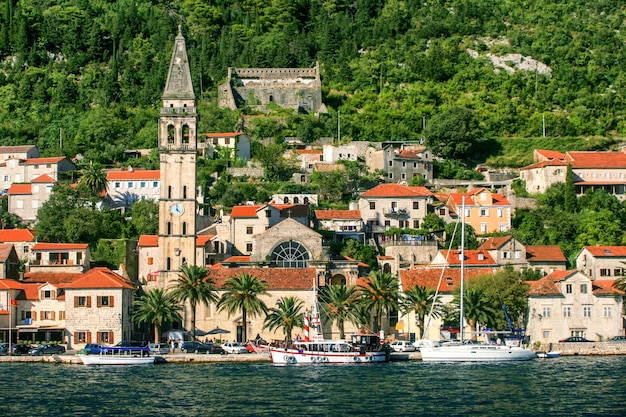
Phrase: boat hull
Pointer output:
(545, 355)
(283, 356)
(476, 353)
(116, 360)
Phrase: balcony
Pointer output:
(395, 211)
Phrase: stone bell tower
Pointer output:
(178, 154)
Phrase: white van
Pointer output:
(159, 348)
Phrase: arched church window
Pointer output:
(387, 268)
(170, 134)
(338, 280)
(306, 200)
(296, 200)
(185, 134)
(286, 200)
(290, 255)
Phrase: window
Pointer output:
(47, 315)
(390, 175)
(606, 311)
(6, 178)
(618, 272)
(403, 164)
(390, 163)
(442, 211)
(248, 247)
(484, 212)
(150, 260)
(82, 301)
(82, 337)
(583, 288)
(546, 334)
(46, 295)
(567, 311)
(387, 223)
(268, 213)
(467, 212)
(155, 184)
(290, 255)
(249, 230)
(61, 315)
(416, 224)
(518, 254)
(142, 184)
(105, 337)
(416, 205)
(605, 272)
(105, 301)
(506, 255)
(25, 248)
(546, 312)
(568, 288)
(483, 227)
(20, 204)
(403, 176)
(372, 205)
(130, 184)
(499, 211)
(586, 311)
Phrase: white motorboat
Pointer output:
(462, 352)
(551, 354)
(119, 356)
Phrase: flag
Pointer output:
(13, 302)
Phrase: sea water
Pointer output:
(565, 386)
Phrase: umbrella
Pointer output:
(217, 330)
(201, 332)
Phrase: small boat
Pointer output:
(552, 354)
(116, 355)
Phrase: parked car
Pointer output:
(159, 348)
(194, 347)
(20, 349)
(91, 349)
(617, 339)
(234, 347)
(575, 339)
(214, 349)
(403, 346)
(4, 349)
(46, 349)
(130, 343)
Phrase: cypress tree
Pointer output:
(570, 191)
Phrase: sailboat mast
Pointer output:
(462, 255)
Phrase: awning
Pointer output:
(28, 329)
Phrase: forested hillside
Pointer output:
(87, 75)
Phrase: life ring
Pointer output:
(369, 358)
(324, 359)
(313, 359)
(356, 359)
(292, 360)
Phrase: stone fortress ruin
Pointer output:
(294, 88)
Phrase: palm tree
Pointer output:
(420, 300)
(620, 284)
(242, 294)
(337, 304)
(155, 308)
(286, 315)
(477, 309)
(194, 284)
(94, 179)
(379, 293)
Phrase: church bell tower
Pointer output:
(178, 153)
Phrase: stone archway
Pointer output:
(338, 279)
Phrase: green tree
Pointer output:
(242, 293)
(421, 301)
(379, 293)
(354, 249)
(477, 309)
(471, 241)
(287, 315)
(453, 134)
(194, 284)
(93, 179)
(337, 305)
(156, 308)
(570, 191)
(145, 217)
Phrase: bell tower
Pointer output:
(178, 153)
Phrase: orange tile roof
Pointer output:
(309, 151)
(596, 159)
(548, 154)
(545, 253)
(201, 240)
(546, 286)
(397, 190)
(337, 214)
(221, 135)
(238, 258)
(54, 278)
(5, 251)
(605, 287)
(148, 240)
(11, 284)
(100, 278)
(16, 148)
(497, 199)
(16, 235)
(20, 189)
(277, 278)
(45, 179)
(471, 257)
(37, 161)
(60, 246)
(136, 174)
(429, 277)
(411, 153)
(606, 251)
(245, 211)
(494, 243)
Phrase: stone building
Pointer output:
(294, 88)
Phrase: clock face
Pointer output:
(177, 209)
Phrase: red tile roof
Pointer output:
(494, 243)
(397, 190)
(548, 154)
(16, 235)
(201, 240)
(238, 259)
(100, 278)
(472, 257)
(54, 278)
(546, 286)
(411, 153)
(60, 246)
(245, 211)
(497, 199)
(45, 179)
(5, 251)
(337, 214)
(137, 174)
(606, 251)
(148, 240)
(605, 287)
(309, 151)
(20, 189)
(277, 278)
(38, 161)
(16, 148)
(429, 277)
(545, 253)
(596, 159)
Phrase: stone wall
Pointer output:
(587, 348)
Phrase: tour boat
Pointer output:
(466, 352)
(116, 355)
(314, 349)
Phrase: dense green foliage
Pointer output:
(86, 76)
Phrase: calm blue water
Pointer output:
(567, 386)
